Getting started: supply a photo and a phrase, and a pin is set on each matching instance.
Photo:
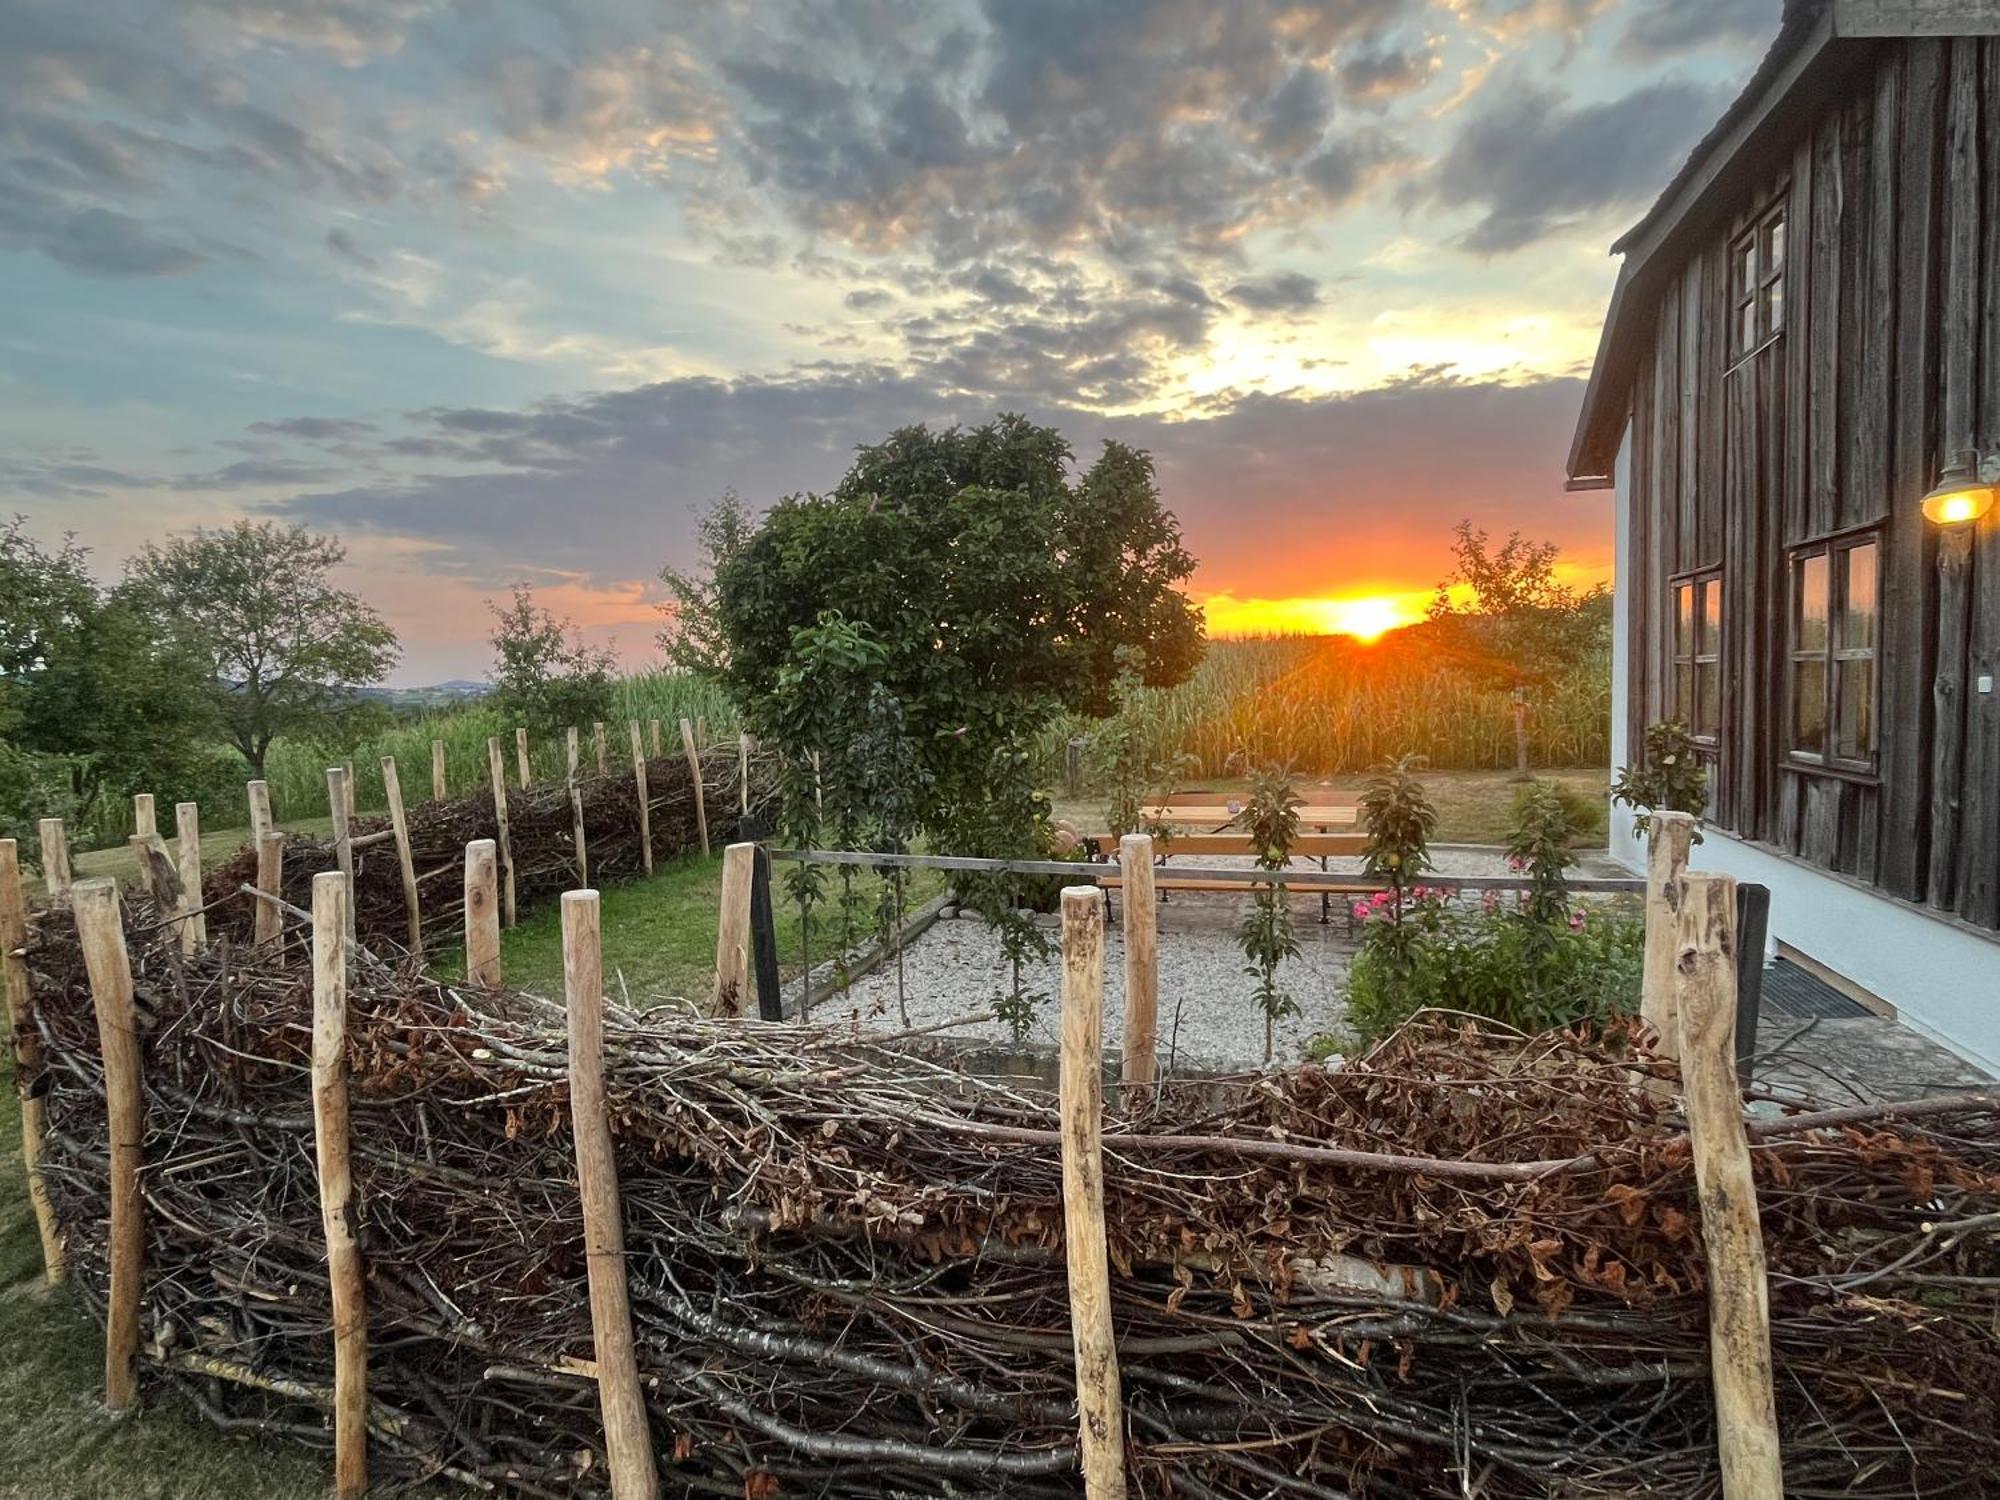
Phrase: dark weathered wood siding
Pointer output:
(1890, 361)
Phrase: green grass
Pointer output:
(58, 1442)
(659, 934)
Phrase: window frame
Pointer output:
(1837, 550)
(1752, 298)
(1700, 582)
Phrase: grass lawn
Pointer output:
(659, 934)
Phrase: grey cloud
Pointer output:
(1286, 291)
(617, 475)
(1663, 27)
(1377, 75)
(316, 429)
(868, 298)
(95, 241)
(1535, 162)
(253, 473)
(342, 244)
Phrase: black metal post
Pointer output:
(1753, 923)
(764, 939)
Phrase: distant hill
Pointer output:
(436, 695)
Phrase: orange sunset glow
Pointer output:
(1366, 617)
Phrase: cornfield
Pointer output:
(1331, 705)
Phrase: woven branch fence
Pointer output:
(1465, 1264)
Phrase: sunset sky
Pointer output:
(507, 290)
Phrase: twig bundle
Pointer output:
(540, 834)
(846, 1268)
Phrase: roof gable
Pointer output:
(1818, 46)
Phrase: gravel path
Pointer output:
(1207, 1018)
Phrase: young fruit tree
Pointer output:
(282, 649)
(545, 675)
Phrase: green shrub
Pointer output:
(1502, 965)
(1584, 813)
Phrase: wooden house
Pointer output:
(1804, 347)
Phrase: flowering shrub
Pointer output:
(1671, 777)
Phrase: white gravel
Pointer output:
(1208, 1019)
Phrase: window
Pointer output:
(1698, 654)
(1835, 627)
(1757, 284)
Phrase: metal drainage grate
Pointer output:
(1792, 992)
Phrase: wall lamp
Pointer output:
(1964, 491)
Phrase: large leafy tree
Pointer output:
(282, 648)
(94, 696)
(544, 673)
(1505, 608)
(986, 592)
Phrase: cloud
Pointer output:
(1284, 291)
(604, 486)
(316, 429)
(1377, 75)
(1662, 27)
(1538, 163)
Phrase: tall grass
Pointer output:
(1332, 705)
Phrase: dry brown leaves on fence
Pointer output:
(847, 1279)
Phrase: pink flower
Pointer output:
(1491, 902)
(1576, 921)
(1516, 863)
(1361, 911)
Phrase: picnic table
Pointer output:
(1206, 823)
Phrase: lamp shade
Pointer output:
(1960, 496)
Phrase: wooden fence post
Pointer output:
(694, 770)
(522, 769)
(639, 785)
(101, 932)
(743, 773)
(399, 823)
(764, 939)
(658, 743)
(56, 875)
(338, 797)
(482, 914)
(350, 789)
(157, 876)
(1100, 1414)
(701, 731)
(145, 817)
(1668, 838)
(330, 899)
(27, 1051)
(268, 925)
(497, 773)
(732, 932)
(187, 852)
(1142, 960)
(576, 811)
(602, 747)
(627, 1441)
(439, 787)
(260, 812)
(1739, 1312)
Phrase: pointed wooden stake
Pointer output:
(268, 925)
(187, 855)
(627, 1438)
(399, 824)
(576, 811)
(336, 1185)
(1100, 1412)
(56, 876)
(1140, 1064)
(732, 932)
(1739, 1311)
(521, 767)
(439, 789)
(496, 772)
(482, 913)
(145, 818)
(694, 771)
(1669, 835)
(27, 1052)
(101, 931)
(260, 811)
(645, 808)
(602, 746)
(340, 797)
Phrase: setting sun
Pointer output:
(1366, 618)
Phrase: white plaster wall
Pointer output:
(1943, 981)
